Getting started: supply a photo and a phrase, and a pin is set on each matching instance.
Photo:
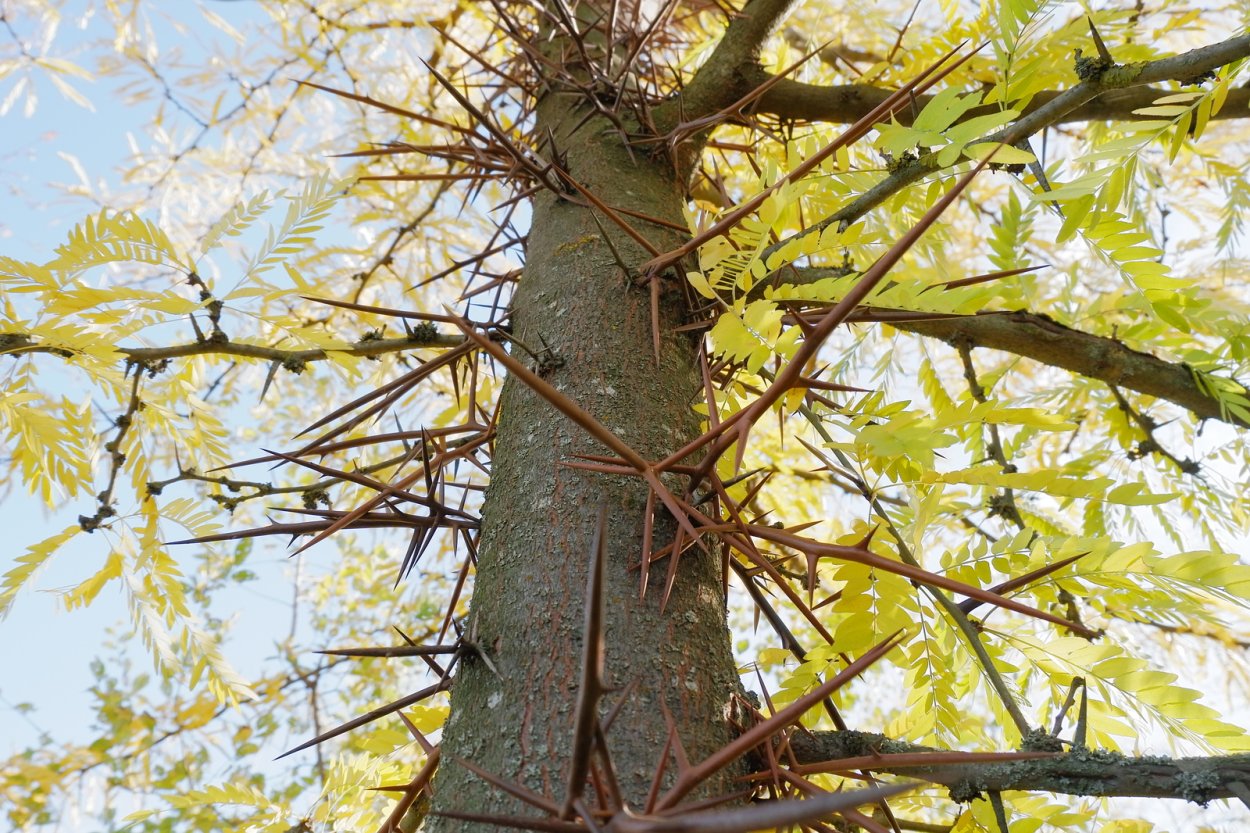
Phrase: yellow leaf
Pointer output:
(1134, 494)
(1003, 154)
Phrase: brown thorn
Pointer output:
(767, 815)
(657, 779)
(609, 780)
(369, 717)
(674, 507)
(648, 533)
(590, 689)
(389, 108)
(412, 791)
(391, 652)
(554, 397)
(969, 605)
(688, 780)
(587, 817)
(679, 749)
(511, 788)
(616, 218)
(626, 693)
(906, 570)
(457, 590)
(427, 747)
(616, 255)
(654, 285)
(515, 822)
(986, 278)
(1103, 54)
(515, 152)
(396, 313)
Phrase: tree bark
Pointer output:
(1044, 340)
(539, 516)
(1078, 771)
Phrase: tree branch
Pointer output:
(1186, 66)
(260, 488)
(19, 343)
(720, 80)
(847, 103)
(1044, 340)
(1078, 772)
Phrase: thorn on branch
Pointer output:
(1103, 54)
(1000, 812)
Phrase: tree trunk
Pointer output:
(539, 516)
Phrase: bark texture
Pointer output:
(539, 516)
(1080, 771)
(846, 103)
(1044, 340)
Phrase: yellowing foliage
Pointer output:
(177, 330)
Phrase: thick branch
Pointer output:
(847, 103)
(1181, 67)
(20, 343)
(720, 80)
(1079, 772)
(1047, 341)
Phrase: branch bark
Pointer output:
(1078, 772)
(846, 103)
(1045, 340)
(1187, 65)
(20, 343)
(721, 79)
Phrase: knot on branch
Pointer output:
(423, 332)
(90, 523)
(1199, 79)
(1091, 68)
(1198, 787)
(1039, 740)
(314, 497)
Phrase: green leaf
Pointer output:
(1003, 154)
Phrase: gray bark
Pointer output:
(539, 516)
